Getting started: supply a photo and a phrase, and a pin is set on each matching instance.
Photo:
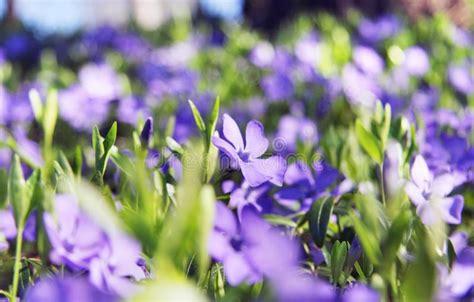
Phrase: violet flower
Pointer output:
(277, 86)
(66, 289)
(430, 195)
(360, 293)
(247, 250)
(245, 195)
(416, 62)
(246, 155)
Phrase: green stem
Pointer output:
(17, 267)
(382, 185)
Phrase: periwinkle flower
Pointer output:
(75, 239)
(111, 259)
(245, 195)
(360, 88)
(308, 49)
(293, 129)
(430, 195)
(416, 62)
(360, 293)
(247, 155)
(100, 82)
(368, 60)
(79, 110)
(300, 287)
(247, 249)
(66, 289)
(374, 31)
(461, 278)
(262, 54)
(277, 86)
(130, 109)
(462, 78)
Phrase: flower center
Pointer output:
(244, 156)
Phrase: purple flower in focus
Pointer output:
(66, 289)
(277, 86)
(430, 195)
(247, 250)
(246, 156)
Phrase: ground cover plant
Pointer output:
(334, 162)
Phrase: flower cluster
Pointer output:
(333, 163)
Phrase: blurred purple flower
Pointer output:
(299, 287)
(368, 60)
(429, 195)
(460, 282)
(262, 54)
(66, 289)
(130, 109)
(384, 27)
(247, 249)
(308, 49)
(360, 293)
(277, 87)
(254, 169)
(360, 88)
(100, 82)
(416, 62)
(243, 195)
(462, 78)
(293, 129)
(79, 110)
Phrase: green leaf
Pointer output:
(280, 220)
(102, 148)
(36, 104)
(368, 142)
(385, 129)
(338, 258)
(395, 235)
(3, 188)
(50, 115)
(318, 218)
(367, 240)
(213, 120)
(97, 146)
(17, 192)
(197, 117)
(174, 146)
(110, 138)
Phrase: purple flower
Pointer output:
(460, 282)
(130, 109)
(300, 287)
(277, 86)
(430, 195)
(416, 62)
(244, 195)
(79, 110)
(247, 249)
(462, 78)
(368, 60)
(384, 27)
(308, 49)
(77, 241)
(262, 54)
(360, 88)
(291, 130)
(360, 293)
(66, 289)
(246, 156)
(100, 82)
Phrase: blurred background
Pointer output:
(59, 17)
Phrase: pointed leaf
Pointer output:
(197, 117)
(318, 218)
(368, 142)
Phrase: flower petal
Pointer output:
(273, 167)
(237, 269)
(415, 194)
(232, 132)
(255, 142)
(253, 174)
(451, 209)
(225, 147)
(442, 185)
(420, 173)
